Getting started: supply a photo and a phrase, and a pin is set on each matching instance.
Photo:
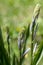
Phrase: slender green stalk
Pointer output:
(35, 16)
(20, 56)
(8, 36)
(32, 39)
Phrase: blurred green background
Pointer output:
(15, 14)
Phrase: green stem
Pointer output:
(32, 39)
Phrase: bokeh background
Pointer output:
(15, 14)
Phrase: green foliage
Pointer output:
(15, 14)
(3, 54)
(38, 52)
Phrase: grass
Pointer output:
(16, 14)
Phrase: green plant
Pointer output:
(36, 46)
